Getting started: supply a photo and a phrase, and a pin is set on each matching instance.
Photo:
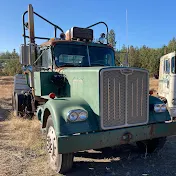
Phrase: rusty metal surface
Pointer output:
(31, 24)
(59, 69)
(152, 131)
(115, 137)
(49, 43)
(54, 41)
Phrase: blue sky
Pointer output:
(150, 22)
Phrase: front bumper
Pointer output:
(108, 138)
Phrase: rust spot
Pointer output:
(53, 42)
(60, 69)
(126, 137)
(152, 130)
(31, 23)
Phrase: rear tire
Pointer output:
(61, 163)
(19, 107)
(152, 145)
(17, 104)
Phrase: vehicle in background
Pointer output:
(167, 82)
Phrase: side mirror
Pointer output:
(27, 54)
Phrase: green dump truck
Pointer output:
(81, 98)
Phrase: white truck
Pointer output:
(167, 82)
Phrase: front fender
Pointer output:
(157, 117)
(58, 108)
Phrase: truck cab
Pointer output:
(82, 99)
(167, 82)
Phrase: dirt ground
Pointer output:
(22, 150)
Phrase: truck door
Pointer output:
(172, 85)
(166, 77)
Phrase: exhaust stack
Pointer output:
(32, 47)
(31, 24)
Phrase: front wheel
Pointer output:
(152, 145)
(61, 163)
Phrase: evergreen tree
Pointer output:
(111, 37)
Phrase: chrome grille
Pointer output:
(124, 97)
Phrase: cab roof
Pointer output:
(53, 42)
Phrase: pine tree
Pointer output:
(111, 38)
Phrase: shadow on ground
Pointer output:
(124, 161)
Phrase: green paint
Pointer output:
(111, 138)
(43, 85)
(59, 109)
(84, 83)
(82, 92)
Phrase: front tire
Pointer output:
(61, 163)
(152, 145)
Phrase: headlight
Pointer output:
(163, 108)
(157, 108)
(77, 115)
(160, 108)
(83, 115)
(72, 116)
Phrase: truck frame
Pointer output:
(82, 99)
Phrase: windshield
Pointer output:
(82, 55)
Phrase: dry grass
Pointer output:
(153, 84)
(23, 148)
(6, 86)
(27, 131)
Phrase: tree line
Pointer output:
(9, 63)
(142, 57)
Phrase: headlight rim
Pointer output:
(164, 107)
(83, 111)
(69, 114)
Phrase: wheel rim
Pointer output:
(52, 146)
